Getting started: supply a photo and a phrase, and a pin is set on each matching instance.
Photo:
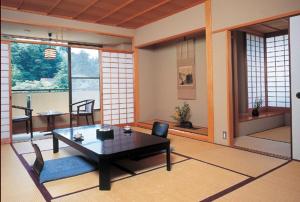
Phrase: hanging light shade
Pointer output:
(50, 53)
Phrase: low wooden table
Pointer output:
(104, 152)
(50, 118)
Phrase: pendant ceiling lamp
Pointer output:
(50, 53)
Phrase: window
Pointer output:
(38, 82)
(118, 100)
(85, 75)
(50, 79)
(278, 71)
(32, 72)
(255, 70)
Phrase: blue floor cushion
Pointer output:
(65, 167)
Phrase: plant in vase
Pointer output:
(182, 115)
(257, 105)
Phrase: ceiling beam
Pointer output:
(270, 27)
(20, 4)
(53, 7)
(115, 10)
(251, 31)
(85, 8)
(285, 20)
(143, 12)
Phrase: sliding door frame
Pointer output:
(8, 140)
(228, 30)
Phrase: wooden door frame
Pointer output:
(230, 68)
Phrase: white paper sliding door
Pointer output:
(5, 93)
(295, 83)
(117, 88)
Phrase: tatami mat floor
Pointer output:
(16, 184)
(200, 171)
(280, 134)
(280, 185)
(271, 147)
(188, 181)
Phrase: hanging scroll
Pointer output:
(186, 80)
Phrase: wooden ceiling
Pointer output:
(123, 13)
(268, 27)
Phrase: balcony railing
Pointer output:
(40, 90)
(41, 100)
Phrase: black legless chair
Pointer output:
(83, 108)
(39, 161)
(27, 118)
(158, 129)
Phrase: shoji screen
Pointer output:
(5, 93)
(117, 88)
(278, 71)
(256, 70)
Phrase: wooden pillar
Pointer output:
(208, 34)
(136, 84)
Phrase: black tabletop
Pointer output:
(120, 142)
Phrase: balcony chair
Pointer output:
(27, 118)
(83, 108)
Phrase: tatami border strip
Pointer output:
(232, 147)
(251, 135)
(123, 168)
(47, 196)
(75, 192)
(241, 184)
(32, 152)
(214, 165)
(78, 191)
(262, 153)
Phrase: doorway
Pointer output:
(261, 88)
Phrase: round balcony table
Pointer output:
(50, 115)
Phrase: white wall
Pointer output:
(158, 83)
(146, 84)
(295, 83)
(234, 12)
(220, 86)
(187, 20)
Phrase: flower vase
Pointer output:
(255, 112)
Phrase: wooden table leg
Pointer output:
(168, 156)
(53, 123)
(55, 144)
(104, 174)
(48, 123)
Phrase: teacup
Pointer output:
(78, 135)
(127, 128)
